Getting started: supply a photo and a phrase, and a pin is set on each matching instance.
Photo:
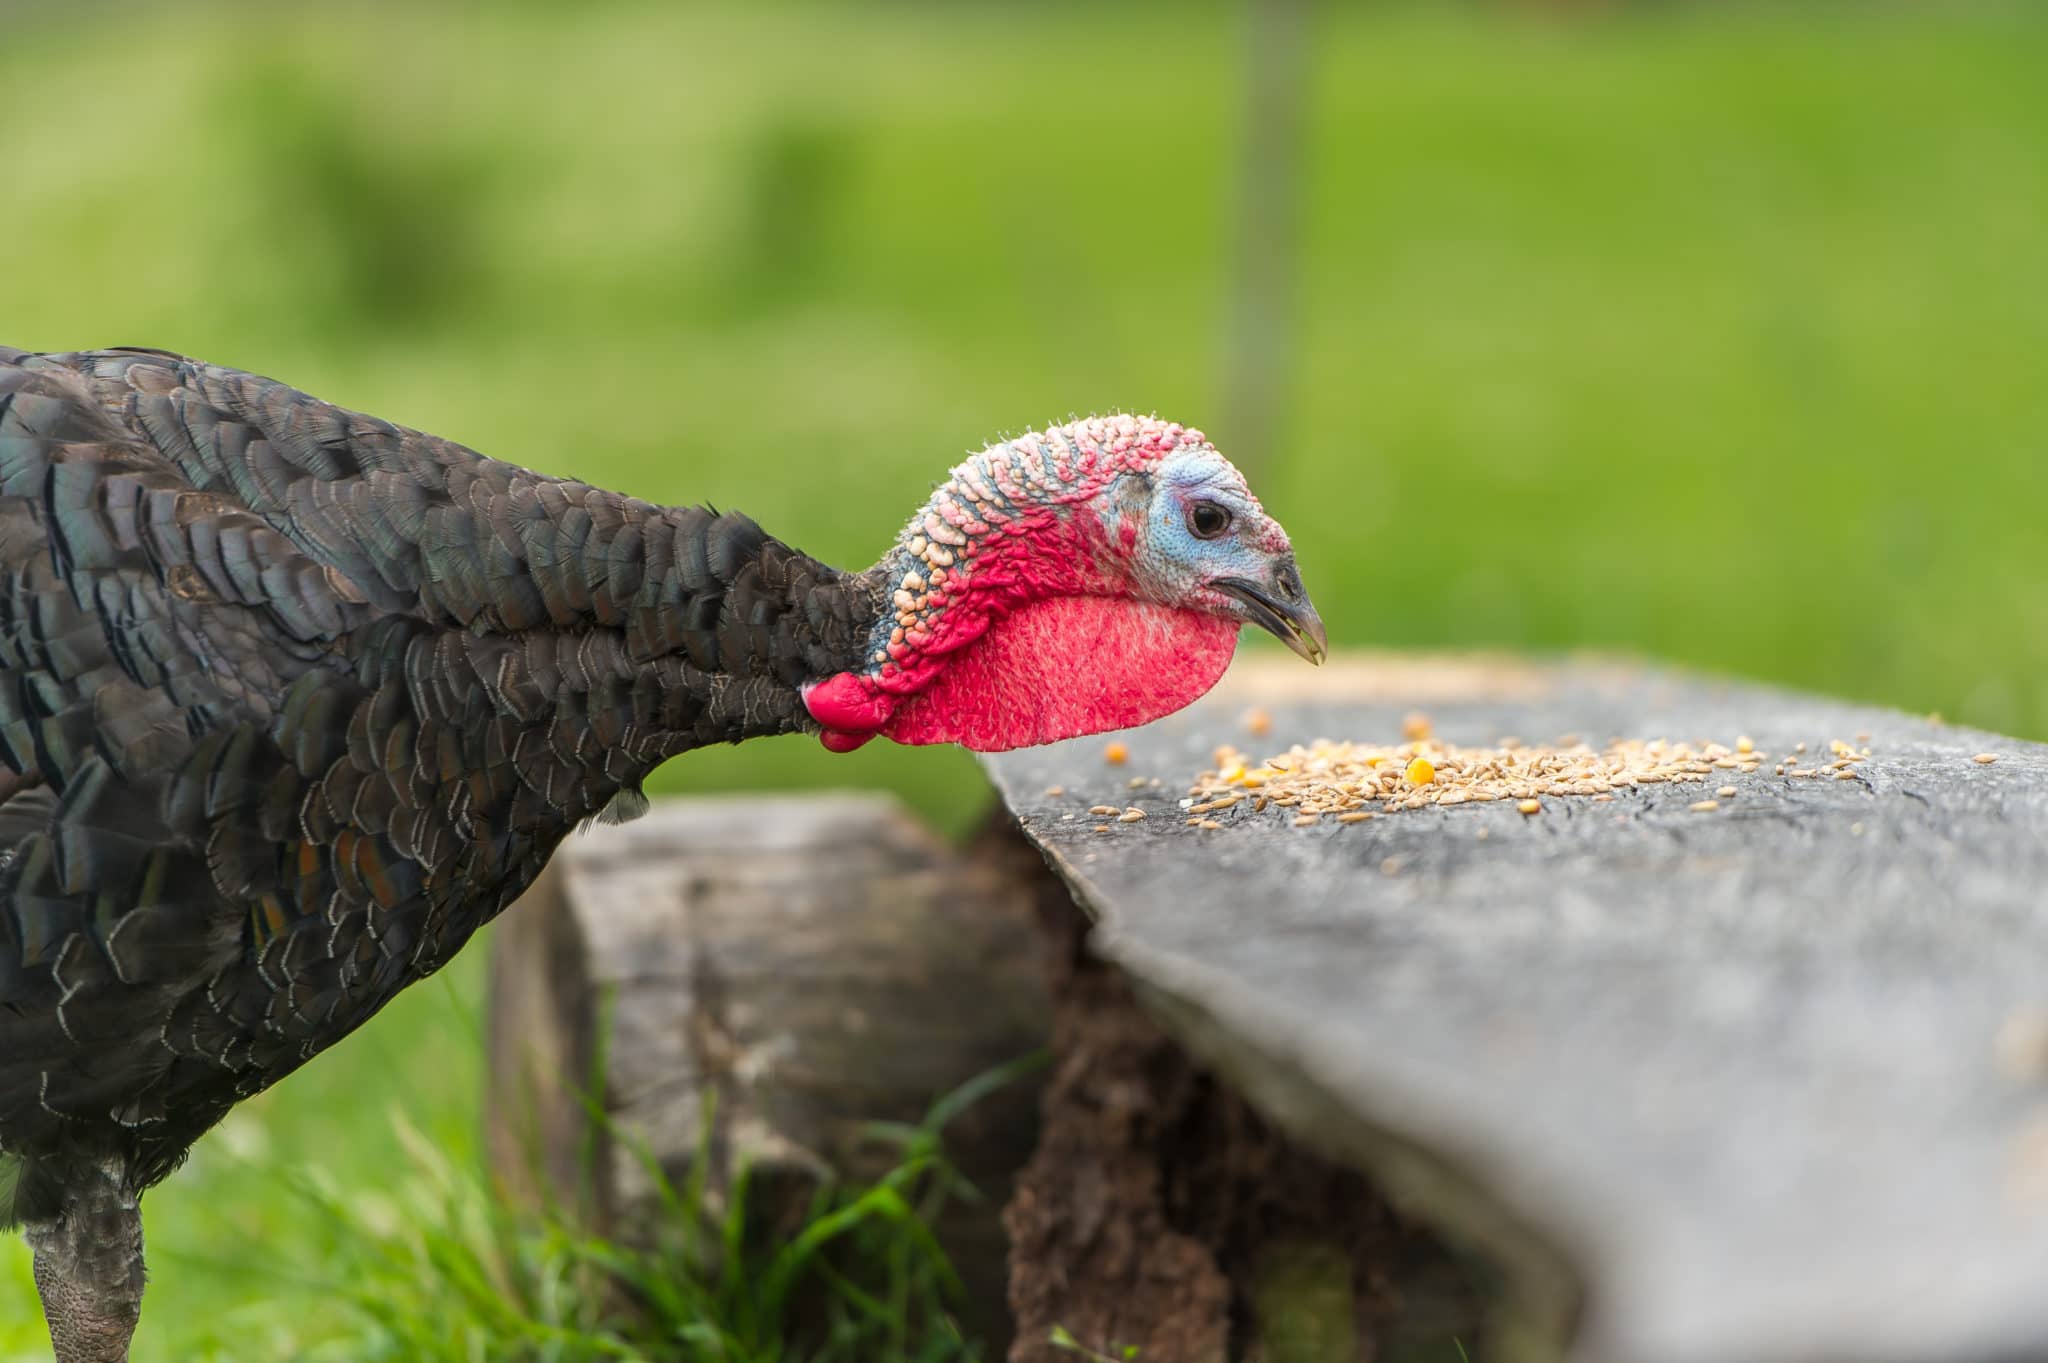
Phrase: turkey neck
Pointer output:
(531, 695)
(662, 627)
(430, 767)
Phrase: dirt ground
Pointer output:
(1160, 1213)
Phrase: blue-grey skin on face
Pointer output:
(1205, 541)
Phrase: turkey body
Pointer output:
(293, 700)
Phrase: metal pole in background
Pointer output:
(1259, 321)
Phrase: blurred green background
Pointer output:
(1710, 333)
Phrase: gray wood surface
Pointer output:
(1764, 1084)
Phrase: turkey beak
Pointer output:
(1284, 609)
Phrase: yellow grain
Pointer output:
(1351, 781)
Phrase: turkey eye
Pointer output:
(1207, 520)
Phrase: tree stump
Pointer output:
(809, 965)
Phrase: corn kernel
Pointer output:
(1258, 721)
(1116, 754)
(1530, 806)
(1415, 727)
(1745, 744)
(1421, 772)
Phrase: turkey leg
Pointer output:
(88, 1266)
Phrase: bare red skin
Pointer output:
(1068, 666)
(1054, 668)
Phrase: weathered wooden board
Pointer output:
(1764, 1084)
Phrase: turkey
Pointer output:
(293, 700)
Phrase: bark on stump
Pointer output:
(1162, 1213)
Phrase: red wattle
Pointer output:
(1066, 666)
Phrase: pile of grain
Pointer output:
(1353, 781)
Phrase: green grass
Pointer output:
(438, 1271)
(1063, 1340)
(1712, 333)
(427, 1266)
